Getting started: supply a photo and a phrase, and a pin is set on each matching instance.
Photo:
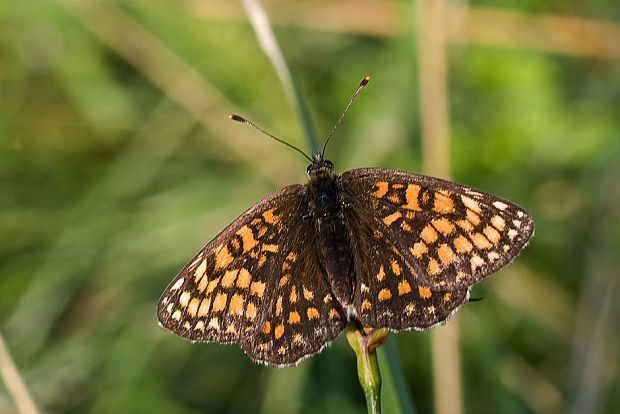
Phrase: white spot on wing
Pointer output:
(493, 256)
(195, 261)
(512, 233)
(500, 205)
(476, 262)
(178, 284)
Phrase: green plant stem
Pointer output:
(364, 345)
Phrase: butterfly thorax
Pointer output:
(333, 239)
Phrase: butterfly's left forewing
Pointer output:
(258, 283)
(420, 242)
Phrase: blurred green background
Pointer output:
(118, 163)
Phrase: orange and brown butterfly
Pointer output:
(378, 247)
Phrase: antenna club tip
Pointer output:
(235, 118)
(366, 80)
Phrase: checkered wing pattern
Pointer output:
(420, 242)
(257, 283)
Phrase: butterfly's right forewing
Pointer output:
(421, 242)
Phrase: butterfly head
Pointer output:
(320, 166)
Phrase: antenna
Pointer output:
(256, 127)
(363, 83)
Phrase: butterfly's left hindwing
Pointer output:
(420, 242)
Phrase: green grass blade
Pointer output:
(267, 40)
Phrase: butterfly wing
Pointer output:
(420, 242)
(257, 283)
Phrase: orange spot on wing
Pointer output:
(270, 217)
(411, 196)
(192, 308)
(278, 331)
(229, 278)
(333, 314)
(428, 234)
(445, 253)
(293, 317)
(257, 288)
(308, 294)
(403, 288)
(498, 222)
(312, 313)
(284, 280)
(419, 249)
(212, 284)
(247, 236)
(279, 305)
(480, 241)
(444, 225)
(236, 304)
(395, 268)
(382, 189)
(424, 292)
(365, 305)
(384, 294)
(222, 257)
(433, 267)
(273, 248)
(462, 245)
(261, 230)
(219, 303)
(293, 296)
(243, 279)
(266, 328)
(443, 204)
(473, 217)
(250, 311)
(393, 198)
(203, 310)
(203, 284)
(465, 225)
(492, 234)
(392, 218)
(381, 274)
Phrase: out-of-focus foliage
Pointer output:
(108, 186)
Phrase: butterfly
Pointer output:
(378, 247)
